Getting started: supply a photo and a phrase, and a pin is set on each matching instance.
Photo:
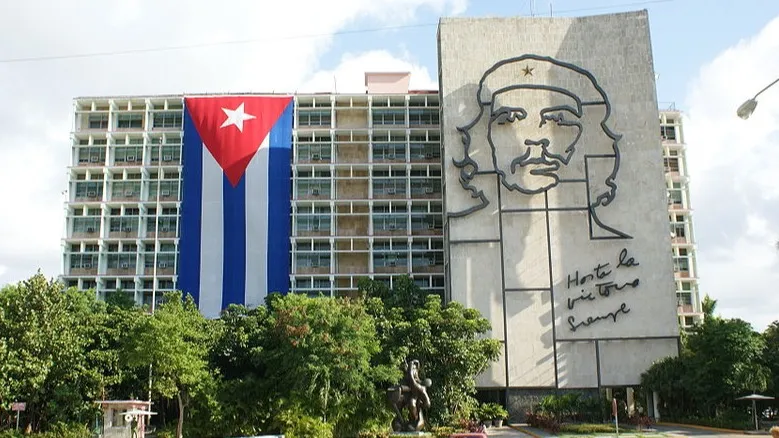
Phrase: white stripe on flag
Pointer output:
(211, 237)
(257, 227)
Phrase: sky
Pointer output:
(709, 55)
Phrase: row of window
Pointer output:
(129, 155)
(122, 261)
(159, 120)
(380, 260)
(127, 189)
(385, 117)
(163, 284)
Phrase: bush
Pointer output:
(295, 424)
(543, 421)
(489, 411)
(587, 428)
(469, 425)
(443, 431)
(640, 421)
(59, 430)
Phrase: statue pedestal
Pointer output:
(405, 434)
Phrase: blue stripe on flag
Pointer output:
(234, 268)
(191, 206)
(279, 186)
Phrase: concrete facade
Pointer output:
(556, 209)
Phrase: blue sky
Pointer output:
(685, 33)
(710, 56)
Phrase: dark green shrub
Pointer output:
(587, 428)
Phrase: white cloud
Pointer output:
(36, 116)
(349, 76)
(734, 167)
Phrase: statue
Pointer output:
(410, 394)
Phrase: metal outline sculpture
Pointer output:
(469, 168)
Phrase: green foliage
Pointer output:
(312, 367)
(771, 359)
(587, 428)
(318, 354)
(490, 411)
(722, 360)
(447, 339)
(47, 340)
(175, 341)
(572, 406)
(295, 423)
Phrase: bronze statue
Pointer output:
(410, 394)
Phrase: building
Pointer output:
(116, 239)
(680, 217)
(366, 192)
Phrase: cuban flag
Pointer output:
(235, 209)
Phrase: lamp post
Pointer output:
(747, 108)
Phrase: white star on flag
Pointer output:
(236, 117)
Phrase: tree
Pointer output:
(722, 360)
(316, 358)
(174, 341)
(771, 357)
(46, 337)
(446, 338)
(708, 306)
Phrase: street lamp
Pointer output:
(747, 108)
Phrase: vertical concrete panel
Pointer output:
(530, 343)
(577, 364)
(550, 136)
(475, 269)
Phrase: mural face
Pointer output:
(535, 133)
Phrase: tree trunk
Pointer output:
(180, 425)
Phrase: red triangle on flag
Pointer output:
(234, 127)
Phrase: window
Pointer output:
(389, 222)
(126, 189)
(425, 151)
(86, 225)
(425, 186)
(314, 118)
(129, 121)
(668, 132)
(314, 152)
(121, 261)
(675, 194)
(98, 121)
(389, 117)
(83, 261)
(123, 224)
(427, 259)
(671, 164)
(390, 259)
(167, 224)
(689, 321)
(129, 155)
(168, 120)
(389, 151)
(313, 260)
(168, 154)
(165, 189)
(127, 284)
(422, 117)
(307, 223)
(382, 186)
(313, 187)
(422, 222)
(89, 189)
(684, 299)
(93, 155)
(165, 284)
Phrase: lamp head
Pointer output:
(746, 109)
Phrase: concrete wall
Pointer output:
(557, 213)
